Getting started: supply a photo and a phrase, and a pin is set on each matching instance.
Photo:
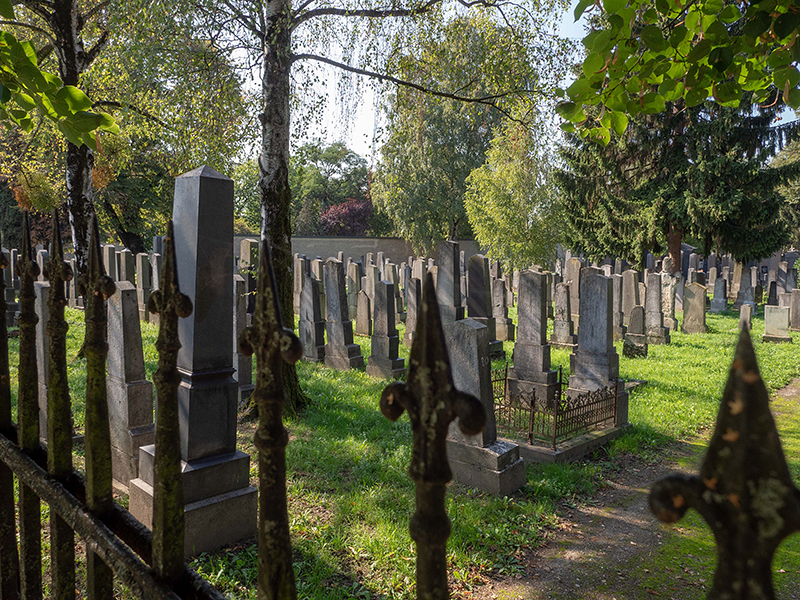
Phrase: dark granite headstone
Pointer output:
(340, 351)
(312, 326)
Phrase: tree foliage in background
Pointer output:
(511, 198)
(434, 143)
(349, 218)
(699, 172)
(647, 54)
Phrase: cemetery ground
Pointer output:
(573, 531)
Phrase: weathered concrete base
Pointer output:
(634, 346)
(125, 461)
(349, 358)
(385, 368)
(522, 388)
(658, 335)
(220, 505)
(778, 339)
(497, 469)
(569, 450)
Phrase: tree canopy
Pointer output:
(645, 54)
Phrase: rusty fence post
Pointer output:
(273, 344)
(9, 559)
(96, 287)
(59, 417)
(432, 403)
(168, 525)
(30, 519)
(744, 490)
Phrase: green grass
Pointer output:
(350, 497)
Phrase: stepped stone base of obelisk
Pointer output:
(497, 469)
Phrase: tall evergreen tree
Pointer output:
(699, 173)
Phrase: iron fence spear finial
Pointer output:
(744, 490)
(432, 402)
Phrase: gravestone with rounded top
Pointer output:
(635, 344)
(694, 309)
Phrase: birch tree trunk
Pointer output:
(274, 191)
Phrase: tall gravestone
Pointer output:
(448, 283)
(363, 314)
(595, 362)
(654, 317)
(353, 287)
(480, 461)
(413, 299)
(340, 352)
(130, 395)
(531, 369)
(635, 344)
(110, 261)
(504, 326)
(694, 309)
(220, 505)
(479, 301)
(384, 360)
(127, 266)
(573, 280)
(143, 284)
(616, 303)
(312, 325)
(630, 293)
(795, 311)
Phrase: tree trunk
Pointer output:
(674, 246)
(67, 24)
(273, 184)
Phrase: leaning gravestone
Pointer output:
(595, 363)
(776, 324)
(481, 460)
(340, 351)
(720, 300)
(130, 395)
(220, 504)
(694, 309)
(531, 369)
(312, 326)
(384, 360)
(635, 344)
(563, 329)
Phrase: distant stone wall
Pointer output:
(394, 249)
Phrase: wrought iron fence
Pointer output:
(523, 416)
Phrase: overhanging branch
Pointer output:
(136, 109)
(486, 100)
(370, 13)
(29, 26)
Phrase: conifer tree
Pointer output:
(699, 173)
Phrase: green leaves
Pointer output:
(6, 9)
(653, 38)
(786, 24)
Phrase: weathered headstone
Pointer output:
(42, 290)
(364, 314)
(654, 317)
(719, 302)
(563, 329)
(694, 309)
(42, 258)
(479, 301)
(220, 505)
(110, 261)
(340, 352)
(573, 280)
(630, 293)
(616, 303)
(772, 299)
(776, 324)
(795, 310)
(130, 395)
(503, 325)
(414, 298)
(353, 287)
(144, 284)
(448, 283)
(481, 460)
(712, 277)
(635, 344)
(242, 362)
(384, 360)
(745, 316)
(758, 294)
(595, 363)
(531, 369)
(127, 271)
(312, 326)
